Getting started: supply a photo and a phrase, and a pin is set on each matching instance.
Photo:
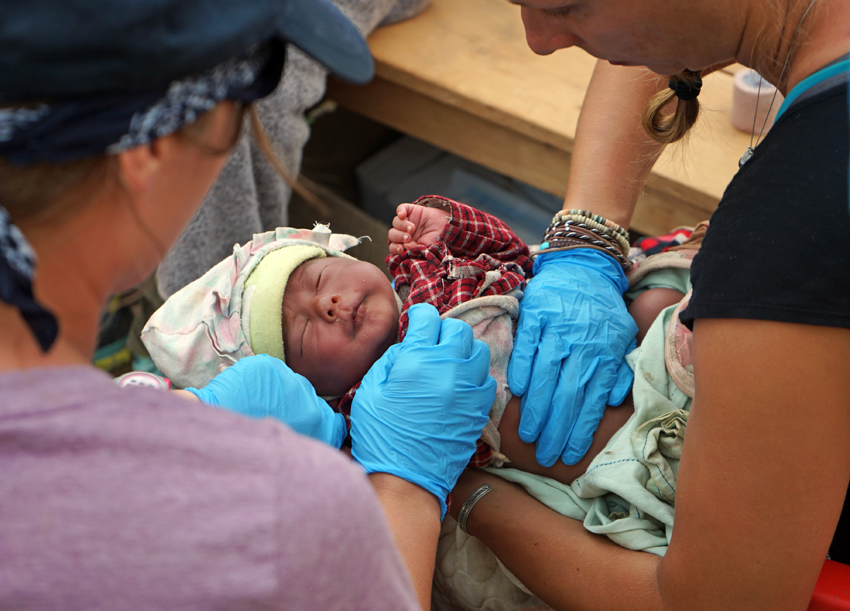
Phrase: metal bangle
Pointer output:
(473, 498)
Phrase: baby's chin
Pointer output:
(385, 328)
(344, 379)
(382, 343)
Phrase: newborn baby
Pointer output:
(339, 315)
(295, 295)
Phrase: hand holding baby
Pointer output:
(415, 226)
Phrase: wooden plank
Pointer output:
(461, 77)
(501, 149)
(472, 55)
(493, 145)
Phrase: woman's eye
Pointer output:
(557, 12)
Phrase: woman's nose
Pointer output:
(545, 35)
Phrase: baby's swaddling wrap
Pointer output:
(205, 327)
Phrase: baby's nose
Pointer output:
(330, 308)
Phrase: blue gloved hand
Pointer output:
(423, 405)
(568, 358)
(262, 386)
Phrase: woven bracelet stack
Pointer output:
(583, 229)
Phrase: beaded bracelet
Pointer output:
(569, 240)
(142, 379)
(580, 234)
(588, 217)
(583, 229)
(599, 223)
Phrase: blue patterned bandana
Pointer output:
(111, 123)
(17, 269)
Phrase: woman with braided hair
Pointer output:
(765, 467)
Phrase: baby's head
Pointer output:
(337, 315)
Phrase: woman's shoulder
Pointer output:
(84, 403)
(145, 475)
(769, 252)
(811, 138)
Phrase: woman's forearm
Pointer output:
(554, 556)
(612, 155)
(413, 514)
(760, 487)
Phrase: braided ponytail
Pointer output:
(672, 127)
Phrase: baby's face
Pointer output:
(339, 317)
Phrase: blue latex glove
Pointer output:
(423, 404)
(262, 386)
(568, 359)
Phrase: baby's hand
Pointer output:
(416, 226)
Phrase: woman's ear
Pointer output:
(138, 167)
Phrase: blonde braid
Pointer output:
(671, 127)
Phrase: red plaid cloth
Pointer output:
(457, 268)
(653, 245)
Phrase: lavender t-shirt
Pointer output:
(135, 499)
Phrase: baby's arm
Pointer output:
(522, 455)
(645, 309)
(416, 226)
(648, 305)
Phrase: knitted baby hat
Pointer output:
(266, 286)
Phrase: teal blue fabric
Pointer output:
(810, 81)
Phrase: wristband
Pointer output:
(142, 379)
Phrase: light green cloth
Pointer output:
(627, 492)
(669, 278)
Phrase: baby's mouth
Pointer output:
(354, 316)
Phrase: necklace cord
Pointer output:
(779, 82)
